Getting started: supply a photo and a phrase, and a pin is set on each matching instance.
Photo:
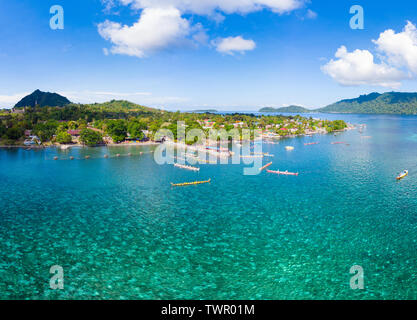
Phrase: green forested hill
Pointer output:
(115, 109)
(120, 106)
(374, 103)
(42, 99)
(289, 109)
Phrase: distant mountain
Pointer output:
(43, 99)
(374, 103)
(290, 109)
(122, 106)
(205, 111)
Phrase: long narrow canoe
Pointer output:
(402, 175)
(253, 156)
(182, 166)
(263, 154)
(284, 173)
(265, 166)
(189, 183)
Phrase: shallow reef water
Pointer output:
(120, 231)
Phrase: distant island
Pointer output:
(376, 103)
(205, 111)
(42, 99)
(373, 103)
(289, 109)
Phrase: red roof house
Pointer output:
(74, 133)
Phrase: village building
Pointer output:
(74, 133)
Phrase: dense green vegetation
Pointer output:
(45, 130)
(117, 130)
(375, 103)
(89, 112)
(41, 99)
(289, 109)
(63, 138)
(335, 125)
(90, 137)
(116, 121)
(135, 129)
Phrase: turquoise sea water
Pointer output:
(121, 232)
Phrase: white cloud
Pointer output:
(397, 53)
(400, 48)
(156, 29)
(199, 34)
(108, 5)
(207, 7)
(144, 98)
(7, 101)
(161, 23)
(233, 44)
(359, 68)
(311, 14)
(117, 94)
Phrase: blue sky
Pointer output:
(229, 54)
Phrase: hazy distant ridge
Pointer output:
(376, 103)
(289, 109)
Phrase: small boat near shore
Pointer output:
(189, 183)
(183, 166)
(289, 148)
(264, 154)
(265, 166)
(311, 143)
(402, 175)
(283, 173)
(252, 156)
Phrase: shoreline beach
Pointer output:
(69, 146)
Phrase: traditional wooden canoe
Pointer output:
(265, 166)
(189, 183)
(284, 173)
(263, 154)
(402, 175)
(182, 166)
(252, 156)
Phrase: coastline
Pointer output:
(133, 144)
(22, 146)
(69, 146)
(152, 143)
(265, 139)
